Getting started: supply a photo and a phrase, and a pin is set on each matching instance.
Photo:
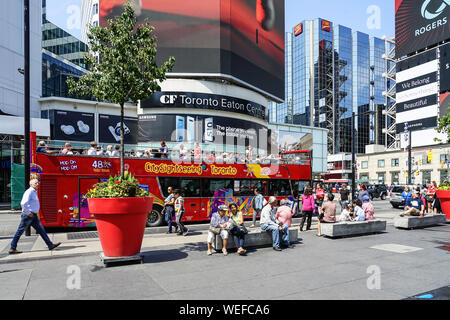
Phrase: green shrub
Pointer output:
(444, 186)
(117, 187)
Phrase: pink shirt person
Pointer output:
(368, 210)
(308, 203)
(284, 213)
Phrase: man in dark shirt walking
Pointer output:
(343, 196)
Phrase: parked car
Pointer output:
(377, 191)
(396, 197)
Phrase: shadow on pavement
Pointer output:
(158, 256)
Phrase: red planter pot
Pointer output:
(444, 198)
(120, 223)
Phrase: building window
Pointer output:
(426, 177)
(364, 164)
(395, 177)
(380, 163)
(444, 176)
(395, 162)
(364, 178)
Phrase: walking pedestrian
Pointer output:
(320, 194)
(30, 208)
(430, 196)
(169, 209)
(363, 193)
(343, 197)
(179, 212)
(308, 207)
(258, 203)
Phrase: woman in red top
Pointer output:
(320, 194)
(430, 196)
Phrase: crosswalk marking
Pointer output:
(397, 248)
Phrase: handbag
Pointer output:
(241, 230)
(214, 230)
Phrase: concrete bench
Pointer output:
(254, 238)
(411, 222)
(341, 229)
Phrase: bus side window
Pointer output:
(206, 188)
(210, 186)
(279, 188)
(166, 182)
(190, 188)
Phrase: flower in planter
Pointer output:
(117, 187)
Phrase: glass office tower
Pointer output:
(330, 72)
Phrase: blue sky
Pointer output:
(375, 17)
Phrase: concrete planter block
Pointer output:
(409, 222)
(255, 238)
(342, 229)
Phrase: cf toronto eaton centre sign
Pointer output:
(205, 101)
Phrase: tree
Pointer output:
(122, 65)
(444, 126)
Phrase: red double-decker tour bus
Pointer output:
(64, 179)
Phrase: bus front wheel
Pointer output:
(155, 218)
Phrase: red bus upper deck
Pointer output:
(64, 179)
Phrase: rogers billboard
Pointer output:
(420, 23)
(242, 40)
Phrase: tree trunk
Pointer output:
(122, 143)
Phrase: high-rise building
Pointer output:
(63, 44)
(332, 71)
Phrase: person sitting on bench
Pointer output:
(414, 206)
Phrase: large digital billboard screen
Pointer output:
(419, 24)
(202, 129)
(109, 129)
(417, 92)
(71, 125)
(242, 40)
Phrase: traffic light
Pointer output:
(417, 172)
(420, 162)
(430, 156)
(442, 164)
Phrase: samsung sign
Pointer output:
(205, 101)
(420, 23)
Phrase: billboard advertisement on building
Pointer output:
(242, 40)
(419, 24)
(417, 92)
(202, 129)
(444, 83)
(71, 125)
(109, 129)
(294, 141)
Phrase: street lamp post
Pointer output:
(27, 97)
(354, 149)
(353, 157)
